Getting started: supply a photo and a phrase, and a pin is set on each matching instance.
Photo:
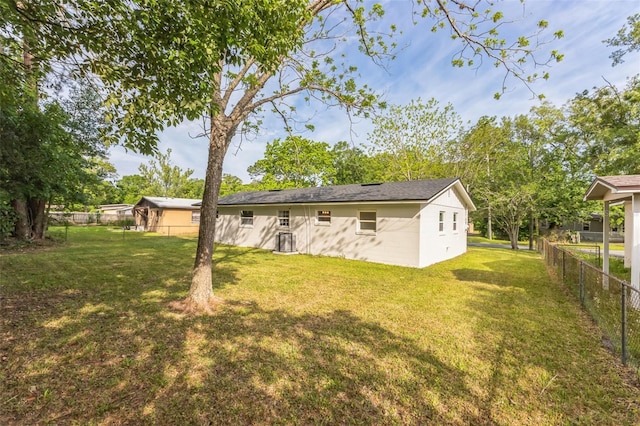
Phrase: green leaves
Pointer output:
(482, 35)
(628, 39)
(293, 163)
(163, 179)
(410, 140)
(607, 121)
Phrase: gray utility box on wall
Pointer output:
(285, 242)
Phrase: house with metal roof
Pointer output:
(166, 215)
(413, 223)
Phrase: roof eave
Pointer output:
(600, 190)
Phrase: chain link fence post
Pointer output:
(623, 292)
(581, 284)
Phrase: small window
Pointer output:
(195, 217)
(455, 221)
(441, 222)
(367, 222)
(217, 214)
(586, 226)
(323, 216)
(283, 218)
(246, 218)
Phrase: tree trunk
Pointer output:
(489, 225)
(531, 230)
(22, 230)
(37, 217)
(513, 237)
(201, 296)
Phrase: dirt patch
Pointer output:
(14, 245)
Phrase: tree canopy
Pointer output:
(410, 140)
(294, 162)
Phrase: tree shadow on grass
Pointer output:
(74, 358)
(257, 366)
(506, 273)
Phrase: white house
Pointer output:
(621, 189)
(415, 223)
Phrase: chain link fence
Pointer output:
(70, 232)
(611, 302)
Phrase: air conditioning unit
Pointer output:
(285, 242)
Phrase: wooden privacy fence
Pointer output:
(612, 303)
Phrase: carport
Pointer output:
(624, 189)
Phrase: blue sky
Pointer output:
(423, 69)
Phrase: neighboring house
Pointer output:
(591, 229)
(415, 223)
(169, 216)
(110, 213)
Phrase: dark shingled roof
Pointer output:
(417, 190)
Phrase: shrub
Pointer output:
(7, 219)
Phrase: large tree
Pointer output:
(51, 145)
(474, 157)
(163, 61)
(353, 165)
(410, 140)
(50, 153)
(162, 178)
(294, 162)
(607, 122)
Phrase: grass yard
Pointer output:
(479, 239)
(87, 337)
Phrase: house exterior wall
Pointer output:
(628, 233)
(437, 245)
(396, 241)
(171, 222)
(593, 225)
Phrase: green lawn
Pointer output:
(479, 239)
(485, 240)
(88, 338)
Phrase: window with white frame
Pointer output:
(195, 217)
(441, 222)
(323, 217)
(246, 217)
(283, 218)
(367, 222)
(455, 221)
